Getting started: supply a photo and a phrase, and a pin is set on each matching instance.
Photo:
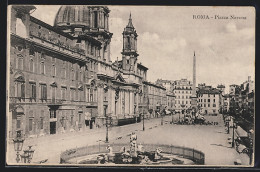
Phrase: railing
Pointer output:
(196, 156)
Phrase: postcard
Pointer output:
(137, 86)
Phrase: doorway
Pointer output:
(52, 127)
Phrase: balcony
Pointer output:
(54, 101)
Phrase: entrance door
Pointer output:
(52, 127)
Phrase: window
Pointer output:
(53, 70)
(204, 105)
(72, 94)
(20, 89)
(127, 62)
(214, 95)
(43, 91)
(52, 113)
(91, 94)
(208, 105)
(63, 93)
(204, 100)
(79, 118)
(72, 75)
(20, 63)
(42, 67)
(63, 73)
(41, 123)
(208, 100)
(208, 95)
(31, 65)
(95, 19)
(30, 124)
(33, 91)
(214, 105)
(214, 100)
(182, 102)
(18, 122)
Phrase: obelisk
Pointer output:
(194, 95)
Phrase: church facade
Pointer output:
(61, 77)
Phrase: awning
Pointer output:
(241, 132)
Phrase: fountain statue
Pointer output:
(134, 154)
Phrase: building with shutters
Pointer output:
(61, 77)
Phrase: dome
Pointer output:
(73, 15)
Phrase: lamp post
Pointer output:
(140, 94)
(233, 137)
(143, 121)
(106, 129)
(18, 144)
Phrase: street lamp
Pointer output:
(143, 121)
(106, 129)
(18, 144)
(233, 137)
(140, 94)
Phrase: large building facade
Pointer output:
(61, 77)
(182, 92)
(156, 98)
(209, 100)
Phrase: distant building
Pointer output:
(156, 95)
(168, 84)
(226, 106)
(182, 90)
(209, 100)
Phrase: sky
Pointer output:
(168, 37)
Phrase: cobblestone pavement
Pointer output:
(210, 139)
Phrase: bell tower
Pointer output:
(129, 53)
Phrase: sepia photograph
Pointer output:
(120, 85)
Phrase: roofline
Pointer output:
(35, 20)
(149, 83)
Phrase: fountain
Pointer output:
(132, 154)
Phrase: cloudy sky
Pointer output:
(168, 37)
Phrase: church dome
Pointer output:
(72, 15)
